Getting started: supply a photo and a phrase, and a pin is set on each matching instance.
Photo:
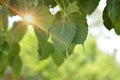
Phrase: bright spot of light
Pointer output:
(28, 18)
(13, 19)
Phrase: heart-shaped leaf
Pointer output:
(62, 34)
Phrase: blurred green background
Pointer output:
(91, 64)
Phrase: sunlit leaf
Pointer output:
(17, 32)
(62, 34)
(42, 38)
(80, 21)
(43, 17)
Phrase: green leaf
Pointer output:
(14, 36)
(1, 40)
(43, 17)
(106, 20)
(117, 25)
(46, 50)
(17, 32)
(42, 38)
(62, 34)
(3, 19)
(112, 8)
(88, 6)
(4, 58)
(41, 35)
(71, 8)
(80, 21)
(69, 51)
(3, 62)
(58, 58)
(48, 3)
(117, 21)
(16, 65)
(14, 50)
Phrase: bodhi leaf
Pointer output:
(46, 50)
(117, 23)
(48, 3)
(14, 36)
(44, 47)
(3, 62)
(41, 35)
(69, 51)
(88, 6)
(1, 40)
(16, 65)
(43, 17)
(14, 50)
(62, 34)
(58, 58)
(4, 58)
(3, 19)
(106, 20)
(113, 12)
(17, 32)
(112, 8)
(82, 28)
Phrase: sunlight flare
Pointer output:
(29, 18)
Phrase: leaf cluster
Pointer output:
(57, 34)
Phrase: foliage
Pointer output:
(93, 65)
(56, 34)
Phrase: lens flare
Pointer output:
(28, 18)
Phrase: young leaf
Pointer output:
(16, 65)
(62, 34)
(58, 58)
(82, 28)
